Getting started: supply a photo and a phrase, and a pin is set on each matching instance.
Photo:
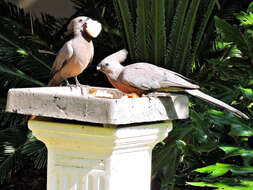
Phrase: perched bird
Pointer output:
(77, 53)
(142, 78)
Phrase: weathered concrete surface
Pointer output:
(106, 107)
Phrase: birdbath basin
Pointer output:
(110, 147)
(96, 105)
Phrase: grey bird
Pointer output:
(142, 78)
(77, 53)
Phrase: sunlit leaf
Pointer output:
(247, 92)
(220, 169)
(247, 154)
(226, 183)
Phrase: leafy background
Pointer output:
(210, 41)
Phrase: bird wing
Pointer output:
(146, 76)
(62, 57)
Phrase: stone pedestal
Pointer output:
(112, 150)
(82, 157)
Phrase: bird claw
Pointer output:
(71, 86)
(156, 94)
(78, 84)
(81, 87)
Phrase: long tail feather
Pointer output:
(215, 101)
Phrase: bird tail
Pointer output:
(210, 99)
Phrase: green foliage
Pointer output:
(127, 25)
(219, 169)
(213, 136)
(158, 32)
(163, 36)
(227, 183)
(232, 34)
(233, 168)
(143, 26)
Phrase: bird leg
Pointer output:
(79, 84)
(68, 84)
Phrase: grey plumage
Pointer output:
(76, 54)
(142, 78)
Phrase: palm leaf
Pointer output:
(176, 30)
(10, 165)
(127, 23)
(187, 35)
(143, 29)
(13, 75)
(201, 31)
(158, 32)
(14, 39)
(37, 149)
(11, 144)
(170, 6)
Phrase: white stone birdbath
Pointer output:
(106, 138)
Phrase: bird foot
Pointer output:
(156, 94)
(71, 86)
(82, 87)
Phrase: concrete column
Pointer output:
(82, 157)
(113, 151)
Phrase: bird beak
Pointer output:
(93, 28)
(99, 67)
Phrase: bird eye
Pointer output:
(80, 20)
(107, 64)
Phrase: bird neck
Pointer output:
(83, 34)
(116, 72)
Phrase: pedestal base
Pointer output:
(82, 157)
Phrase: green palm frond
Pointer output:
(37, 149)
(9, 120)
(201, 30)
(185, 44)
(170, 9)
(176, 30)
(158, 32)
(45, 28)
(11, 164)
(127, 24)
(20, 56)
(15, 77)
(16, 35)
(169, 13)
(11, 140)
(143, 28)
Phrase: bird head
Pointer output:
(83, 23)
(111, 64)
